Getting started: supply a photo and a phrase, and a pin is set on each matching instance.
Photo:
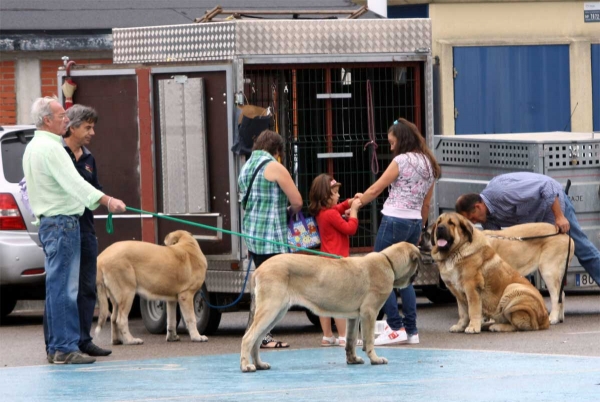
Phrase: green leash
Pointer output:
(110, 230)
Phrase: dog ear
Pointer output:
(433, 229)
(467, 228)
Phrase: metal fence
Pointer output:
(322, 113)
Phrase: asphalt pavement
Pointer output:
(21, 338)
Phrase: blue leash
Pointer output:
(241, 293)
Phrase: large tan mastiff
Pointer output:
(353, 288)
(483, 283)
(548, 254)
(173, 273)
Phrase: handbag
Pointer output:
(303, 232)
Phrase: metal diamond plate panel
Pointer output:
(429, 274)
(279, 37)
(225, 40)
(174, 43)
(226, 281)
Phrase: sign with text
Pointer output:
(591, 12)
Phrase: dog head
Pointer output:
(174, 237)
(450, 231)
(425, 240)
(406, 262)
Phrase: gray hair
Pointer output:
(41, 109)
(79, 114)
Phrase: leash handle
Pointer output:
(109, 224)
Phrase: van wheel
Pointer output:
(207, 319)
(154, 315)
(7, 304)
(438, 295)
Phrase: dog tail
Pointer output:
(102, 301)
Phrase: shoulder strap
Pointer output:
(245, 200)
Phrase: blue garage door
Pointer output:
(511, 89)
(596, 85)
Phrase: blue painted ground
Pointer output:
(316, 374)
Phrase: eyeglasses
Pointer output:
(61, 116)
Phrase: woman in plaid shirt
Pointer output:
(267, 205)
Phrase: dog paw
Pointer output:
(201, 338)
(554, 319)
(457, 328)
(263, 366)
(379, 360)
(172, 338)
(117, 342)
(473, 330)
(355, 360)
(248, 368)
(134, 341)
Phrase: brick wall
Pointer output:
(49, 69)
(8, 97)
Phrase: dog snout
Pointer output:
(441, 232)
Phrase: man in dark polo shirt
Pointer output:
(79, 134)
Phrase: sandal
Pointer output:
(331, 341)
(269, 343)
(342, 341)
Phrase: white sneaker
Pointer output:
(391, 337)
(412, 339)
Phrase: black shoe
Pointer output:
(50, 358)
(72, 358)
(94, 350)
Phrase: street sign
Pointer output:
(591, 12)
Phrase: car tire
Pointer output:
(154, 315)
(207, 318)
(7, 304)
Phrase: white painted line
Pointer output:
(583, 333)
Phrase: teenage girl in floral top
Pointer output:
(410, 179)
(334, 231)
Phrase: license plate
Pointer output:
(584, 280)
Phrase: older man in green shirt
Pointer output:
(58, 196)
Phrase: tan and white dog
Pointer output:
(549, 255)
(174, 273)
(354, 288)
(485, 286)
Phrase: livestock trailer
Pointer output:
(169, 108)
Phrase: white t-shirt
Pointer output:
(407, 192)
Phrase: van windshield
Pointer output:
(13, 148)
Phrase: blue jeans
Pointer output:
(394, 230)
(61, 242)
(585, 251)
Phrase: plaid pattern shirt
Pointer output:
(523, 197)
(265, 215)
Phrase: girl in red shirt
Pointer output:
(334, 231)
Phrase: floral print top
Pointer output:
(407, 192)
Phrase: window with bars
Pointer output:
(322, 114)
